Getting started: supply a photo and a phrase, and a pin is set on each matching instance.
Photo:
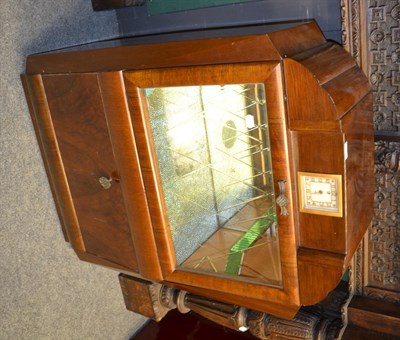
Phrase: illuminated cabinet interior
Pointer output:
(214, 159)
(234, 165)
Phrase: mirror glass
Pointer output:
(213, 152)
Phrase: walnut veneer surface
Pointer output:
(88, 108)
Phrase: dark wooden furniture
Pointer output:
(307, 108)
(366, 318)
(369, 31)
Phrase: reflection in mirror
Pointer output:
(212, 146)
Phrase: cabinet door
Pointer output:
(92, 177)
(212, 147)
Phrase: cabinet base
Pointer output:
(325, 320)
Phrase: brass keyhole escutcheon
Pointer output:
(105, 182)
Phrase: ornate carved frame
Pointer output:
(371, 33)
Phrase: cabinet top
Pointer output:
(310, 63)
(215, 46)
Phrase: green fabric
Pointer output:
(257, 229)
(155, 7)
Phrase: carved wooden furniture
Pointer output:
(237, 168)
(381, 318)
(321, 321)
(371, 35)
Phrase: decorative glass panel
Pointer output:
(212, 145)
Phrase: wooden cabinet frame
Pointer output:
(115, 146)
(151, 230)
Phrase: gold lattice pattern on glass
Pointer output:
(213, 154)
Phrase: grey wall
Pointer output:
(45, 291)
(135, 20)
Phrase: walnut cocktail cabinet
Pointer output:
(233, 164)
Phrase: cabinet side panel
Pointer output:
(359, 136)
(319, 273)
(83, 140)
(320, 152)
(309, 105)
(326, 62)
(294, 40)
(52, 160)
(29, 100)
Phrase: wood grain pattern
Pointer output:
(359, 172)
(142, 297)
(319, 273)
(172, 54)
(307, 101)
(334, 85)
(101, 127)
(130, 54)
(311, 154)
(347, 89)
(29, 99)
(77, 112)
(285, 310)
(271, 75)
(41, 118)
(357, 333)
(369, 32)
(377, 316)
(319, 117)
(95, 259)
(125, 150)
(294, 40)
(326, 61)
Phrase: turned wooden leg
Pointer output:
(321, 321)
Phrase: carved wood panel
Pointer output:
(384, 41)
(371, 33)
(384, 234)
